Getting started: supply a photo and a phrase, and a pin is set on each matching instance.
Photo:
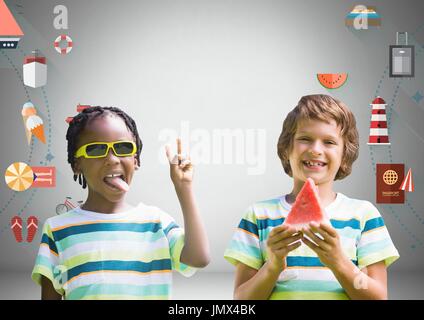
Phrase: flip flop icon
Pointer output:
(32, 226)
(17, 228)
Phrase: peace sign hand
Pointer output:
(181, 168)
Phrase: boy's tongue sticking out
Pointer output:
(117, 182)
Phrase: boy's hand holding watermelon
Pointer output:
(325, 243)
(308, 217)
(281, 241)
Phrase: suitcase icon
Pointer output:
(402, 62)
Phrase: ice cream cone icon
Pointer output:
(28, 110)
(35, 124)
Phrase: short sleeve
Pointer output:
(175, 235)
(245, 244)
(375, 243)
(47, 261)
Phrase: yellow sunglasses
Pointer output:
(101, 149)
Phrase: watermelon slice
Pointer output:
(307, 207)
(332, 80)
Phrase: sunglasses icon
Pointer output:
(101, 149)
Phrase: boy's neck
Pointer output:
(95, 204)
(325, 191)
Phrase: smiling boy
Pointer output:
(348, 257)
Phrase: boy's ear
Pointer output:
(136, 164)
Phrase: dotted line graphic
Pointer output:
(48, 157)
(406, 229)
(17, 73)
(394, 214)
(20, 212)
(420, 219)
(8, 202)
(418, 29)
(371, 149)
(31, 150)
(49, 121)
(389, 119)
(389, 149)
(418, 51)
(389, 116)
(381, 79)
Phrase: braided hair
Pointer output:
(78, 123)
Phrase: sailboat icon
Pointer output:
(10, 32)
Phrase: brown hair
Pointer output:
(321, 107)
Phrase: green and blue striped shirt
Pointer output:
(363, 235)
(128, 255)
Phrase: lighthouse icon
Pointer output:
(378, 128)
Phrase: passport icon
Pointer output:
(389, 181)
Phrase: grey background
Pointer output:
(218, 64)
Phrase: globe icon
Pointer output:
(390, 177)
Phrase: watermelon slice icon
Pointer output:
(332, 80)
(306, 208)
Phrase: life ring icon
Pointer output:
(58, 42)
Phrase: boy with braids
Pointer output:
(107, 249)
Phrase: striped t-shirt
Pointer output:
(363, 235)
(128, 255)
